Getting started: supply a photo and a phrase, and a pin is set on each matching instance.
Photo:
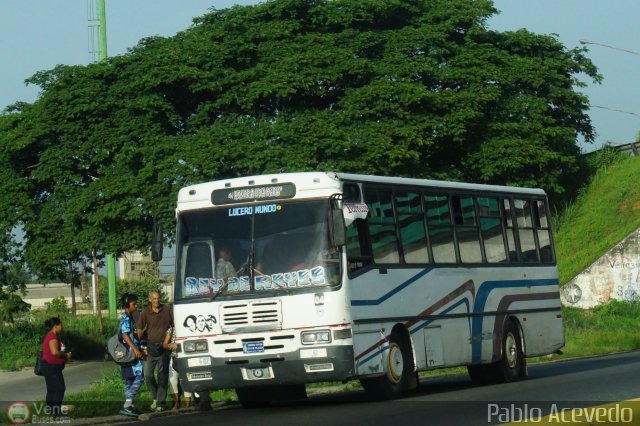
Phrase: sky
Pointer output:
(39, 34)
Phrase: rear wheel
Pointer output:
(512, 364)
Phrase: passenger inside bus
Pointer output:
(224, 267)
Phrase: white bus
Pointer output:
(341, 276)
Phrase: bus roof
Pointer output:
(428, 183)
(200, 194)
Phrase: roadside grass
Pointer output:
(606, 212)
(602, 330)
(106, 396)
(81, 334)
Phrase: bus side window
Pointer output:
(382, 226)
(510, 229)
(526, 231)
(544, 231)
(413, 235)
(440, 227)
(491, 229)
(358, 255)
(466, 229)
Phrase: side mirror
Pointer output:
(157, 242)
(337, 234)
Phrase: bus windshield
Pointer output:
(247, 249)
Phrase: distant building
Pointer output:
(136, 265)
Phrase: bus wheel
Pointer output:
(391, 384)
(512, 364)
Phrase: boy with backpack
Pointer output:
(131, 374)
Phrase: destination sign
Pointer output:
(253, 193)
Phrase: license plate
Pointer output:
(199, 361)
(252, 347)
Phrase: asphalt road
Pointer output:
(447, 401)
(452, 400)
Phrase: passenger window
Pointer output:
(440, 228)
(357, 248)
(491, 229)
(411, 224)
(544, 231)
(526, 233)
(466, 229)
(382, 226)
(510, 230)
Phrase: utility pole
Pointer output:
(98, 52)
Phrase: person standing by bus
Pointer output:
(156, 319)
(174, 379)
(55, 357)
(132, 375)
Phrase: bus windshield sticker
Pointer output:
(293, 279)
(249, 210)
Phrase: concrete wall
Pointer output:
(37, 294)
(616, 275)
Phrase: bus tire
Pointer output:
(391, 384)
(512, 363)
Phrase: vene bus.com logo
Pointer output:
(18, 413)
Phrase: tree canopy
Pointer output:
(418, 88)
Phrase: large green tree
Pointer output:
(417, 88)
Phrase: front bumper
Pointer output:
(327, 363)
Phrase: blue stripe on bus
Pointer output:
(385, 345)
(373, 302)
(481, 300)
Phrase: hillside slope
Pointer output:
(606, 212)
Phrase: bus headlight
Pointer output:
(195, 346)
(315, 337)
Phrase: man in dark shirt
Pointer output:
(156, 319)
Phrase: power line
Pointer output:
(615, 110)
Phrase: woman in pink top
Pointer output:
(55, 356)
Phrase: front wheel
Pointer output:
(399, 372)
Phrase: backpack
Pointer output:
(119, 352)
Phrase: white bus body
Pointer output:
(433, 274)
